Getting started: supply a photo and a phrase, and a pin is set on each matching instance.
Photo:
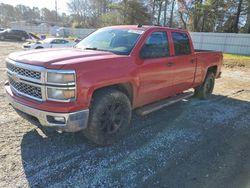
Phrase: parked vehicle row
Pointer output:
(36, 43)
(49, 43)
(12, 34)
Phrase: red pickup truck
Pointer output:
(95, 85)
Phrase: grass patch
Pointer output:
(232, 60)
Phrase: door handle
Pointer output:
(192, 61)
(169, 64)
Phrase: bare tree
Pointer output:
(236, 22)
(184, 12)
(159, 11)
(153, 11)
(172, 13)
(165, 12)
(248, 18)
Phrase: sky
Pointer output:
(49, 4)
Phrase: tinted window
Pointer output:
(181, 43)
(156, 46)
(65, 41)
(11, 32)
(17, 32)
(53, 42)
(59, 41)
(56, 41)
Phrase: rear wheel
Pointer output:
(206, 89)
(39, 47)
(110, 115)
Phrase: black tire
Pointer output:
(110, 115)
(206, 89)
(39, 47)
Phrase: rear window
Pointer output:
(181, 43)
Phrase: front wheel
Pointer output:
(39, 47)
(206, 89)
(110, 115)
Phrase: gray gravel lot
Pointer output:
(190, 144)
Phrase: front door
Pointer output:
(155, 70)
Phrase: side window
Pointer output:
(60, 41)
(65, 41)
(55, 41)
(156, 46)
(181, 43)
(16, 32)
(11, 32)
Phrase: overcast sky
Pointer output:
(50, 4)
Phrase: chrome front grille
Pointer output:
(24, 72)
(26, 80)
(26, 89)
(31, 81)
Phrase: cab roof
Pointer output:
(143, 27)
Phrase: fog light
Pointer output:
(56, 119)
(60, 119)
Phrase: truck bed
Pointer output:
(208, 58)
(196, 51)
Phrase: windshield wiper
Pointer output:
(97, 49)
(94, 48)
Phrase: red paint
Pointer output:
(151, 79)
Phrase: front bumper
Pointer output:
(73, 122)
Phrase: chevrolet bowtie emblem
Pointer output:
(15, 77)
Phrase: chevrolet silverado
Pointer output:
(94, 86)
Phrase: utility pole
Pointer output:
(56, 9)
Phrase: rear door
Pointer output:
(184, 61)
(154, 71)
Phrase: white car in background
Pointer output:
(49, 43)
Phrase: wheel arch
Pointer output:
(39, 47)
(212, 69)
(126, 88)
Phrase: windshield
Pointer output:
(118, 41)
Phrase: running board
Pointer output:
(163, 103)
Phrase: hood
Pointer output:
(57, 57)
(31, 42)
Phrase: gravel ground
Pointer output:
(190, 144)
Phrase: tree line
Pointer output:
(194, 15)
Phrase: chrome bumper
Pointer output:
(73, 122)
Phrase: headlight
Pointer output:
(60, 94)
(61, 78)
